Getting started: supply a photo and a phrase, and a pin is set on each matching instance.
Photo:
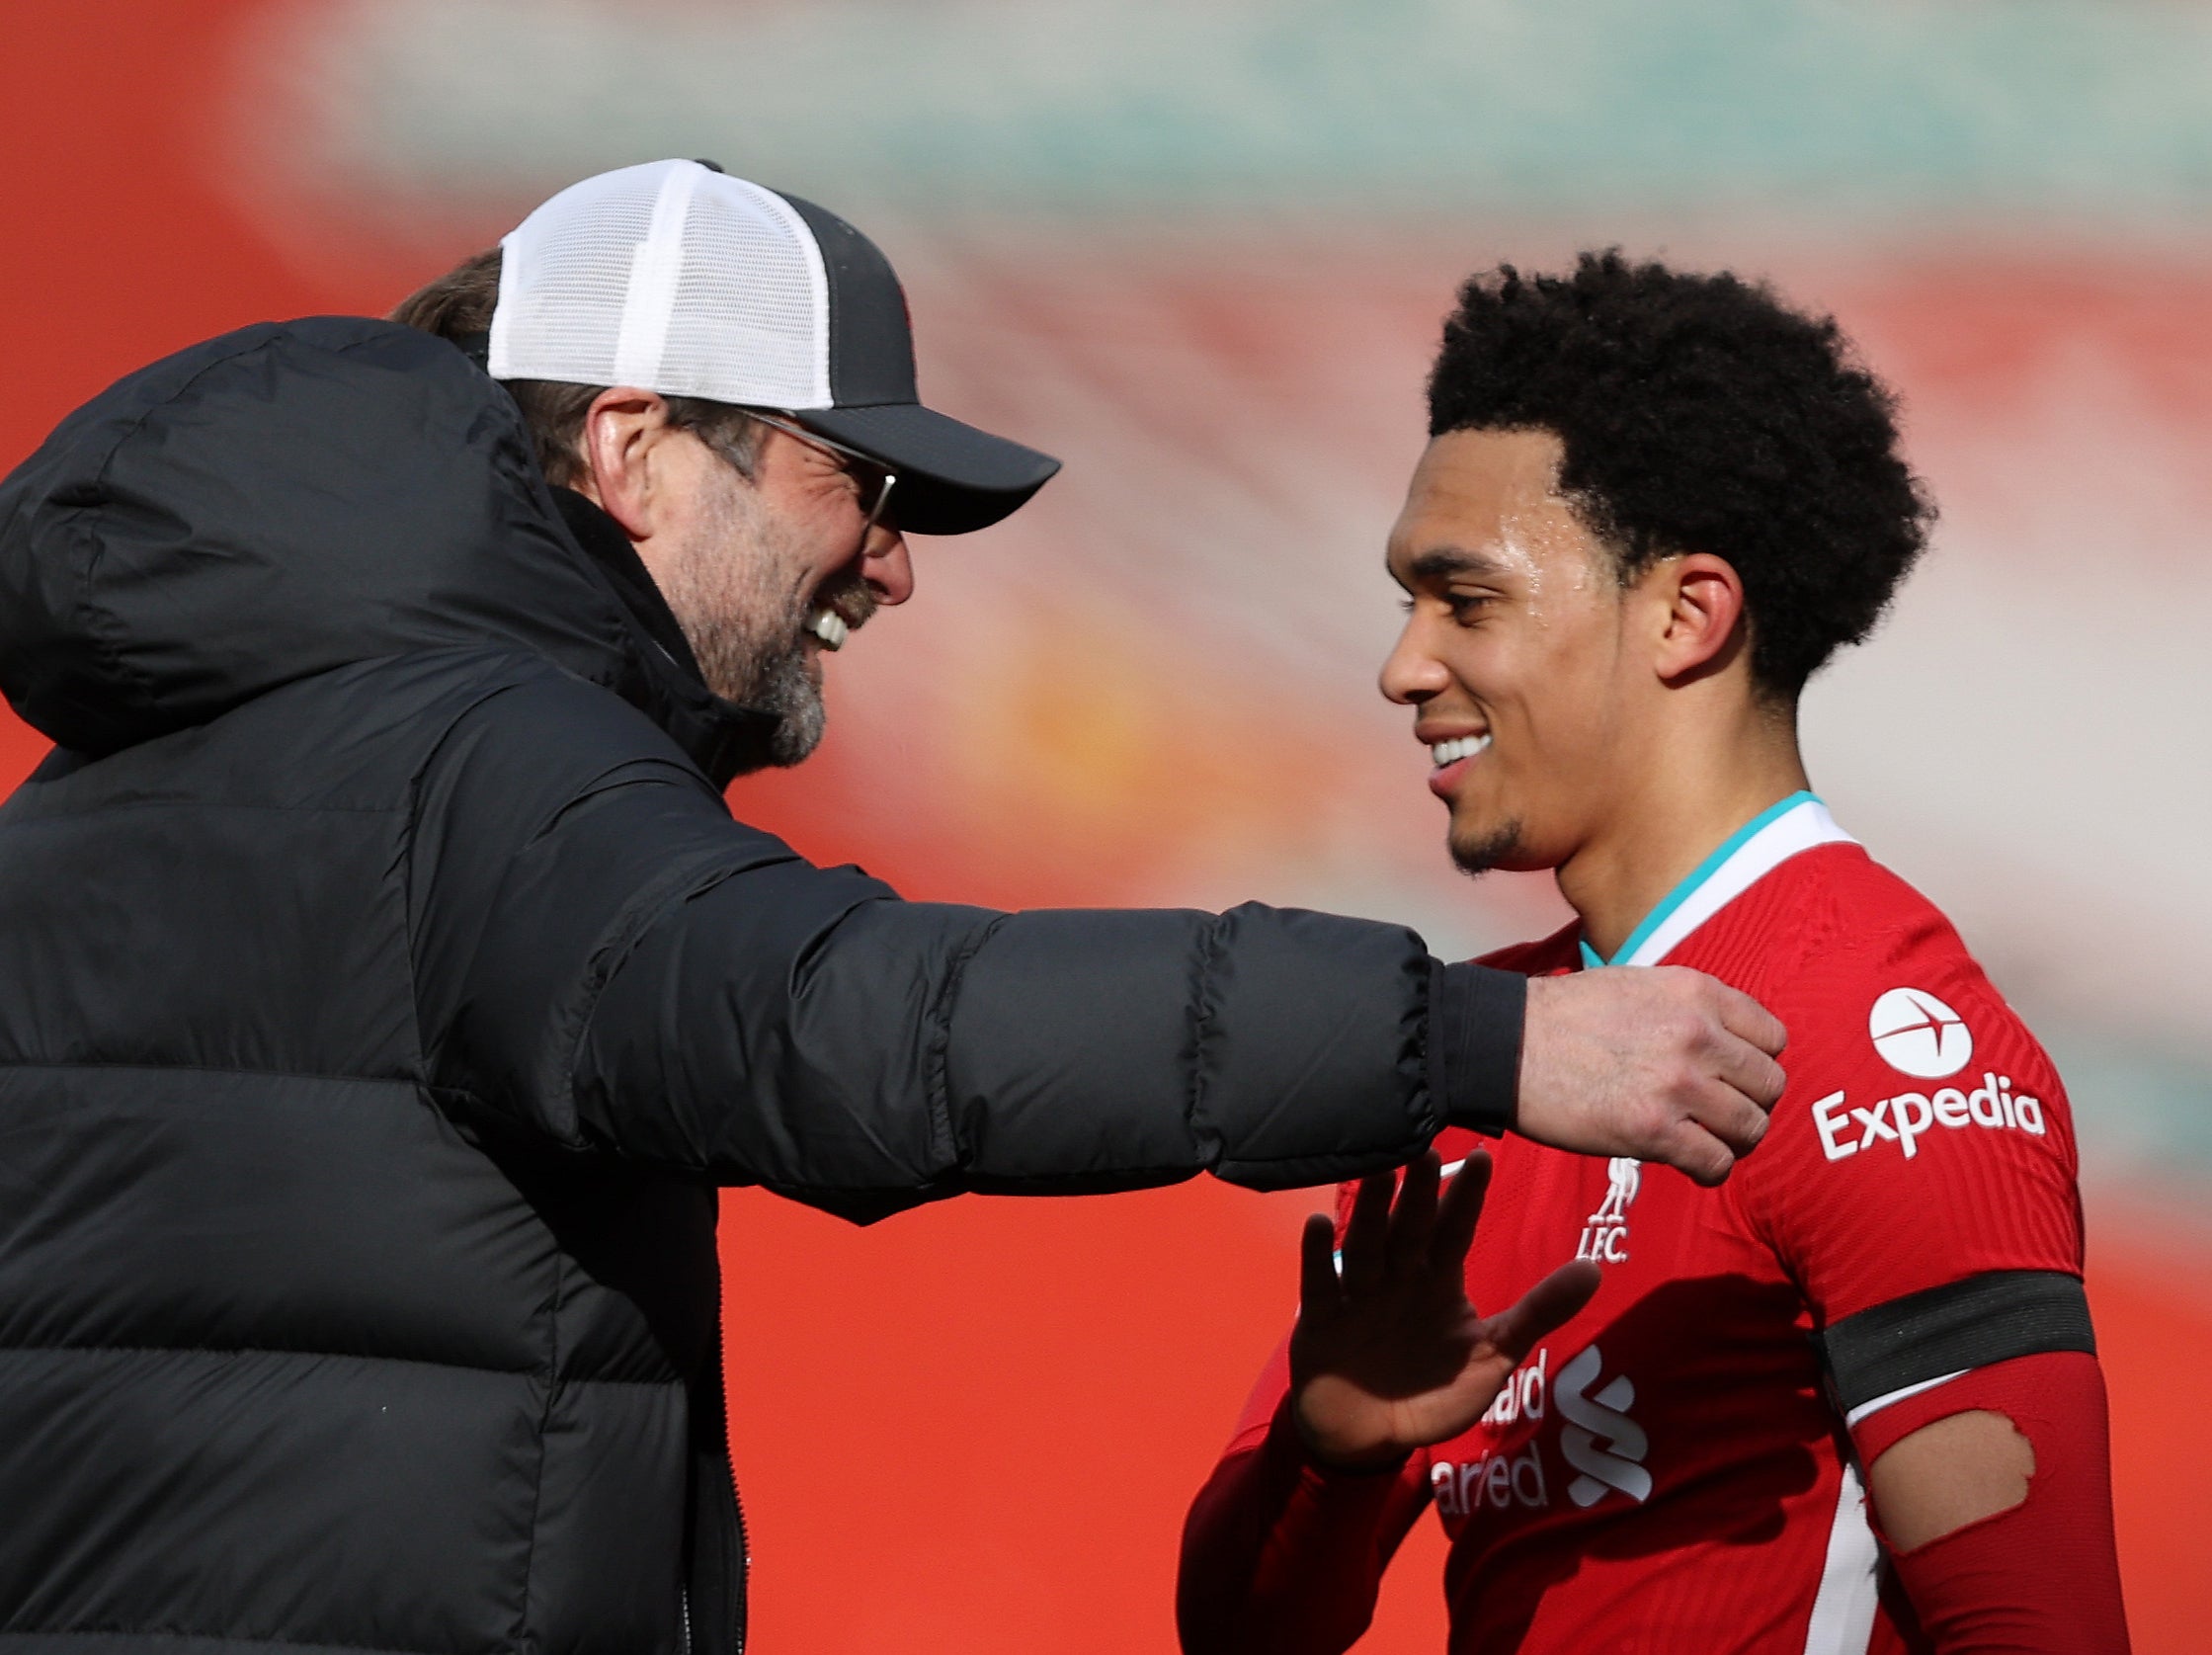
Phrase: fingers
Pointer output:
(1459, 1212)
(1722, 1109)
(1413, 1220)
(1366, 1231)
(1728, 1036)
(1664, 1065)
(1744, 1067)
(1318, 1288)
(1547, 1305)
(1745, 1017)
(1692, 1150)
(1387, 1239)
(1749, 1074)
(1706, 1127)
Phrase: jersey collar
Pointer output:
(1754, 850)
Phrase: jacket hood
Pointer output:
(291, 498)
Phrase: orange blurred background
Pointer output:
(976, 1426)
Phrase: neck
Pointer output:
(1706, 784)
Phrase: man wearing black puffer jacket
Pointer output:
(384, 986)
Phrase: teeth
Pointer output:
(1452, 752)
(830, 628)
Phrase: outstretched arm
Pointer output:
(606, 958)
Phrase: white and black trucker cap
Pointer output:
(676, 278)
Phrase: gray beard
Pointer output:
(746, 623)
(761, 664)
(778, 683)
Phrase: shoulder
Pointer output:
(1809, 921)
(519, 745)
(1874, 966)
(515, 713)
(526, 696)
(1924, 1133)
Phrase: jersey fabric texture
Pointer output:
(384, 986)
(1671, 1470)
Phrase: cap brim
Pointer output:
(953, 480)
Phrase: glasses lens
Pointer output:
(872, 478)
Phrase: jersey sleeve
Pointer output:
(1923, 1141)
(2040, 1577)
(1919, 1183)
(1280, 1555)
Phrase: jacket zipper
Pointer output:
(738, 1569)
(744, 1615)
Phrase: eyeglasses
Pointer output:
(852, 457)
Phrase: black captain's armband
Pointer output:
(1984, 1319)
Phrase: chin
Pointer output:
(1476, 849)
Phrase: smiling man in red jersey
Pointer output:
(1849, 1401)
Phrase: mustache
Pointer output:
(848, 598)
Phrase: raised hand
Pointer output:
(1658, 1063)
(1388, 1356)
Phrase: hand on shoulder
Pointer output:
(1660, 1064)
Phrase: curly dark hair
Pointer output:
(1699, 413)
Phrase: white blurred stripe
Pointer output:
(1844, 1606)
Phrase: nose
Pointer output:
(1410, 674)
(887, 566)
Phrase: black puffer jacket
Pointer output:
(384, 987)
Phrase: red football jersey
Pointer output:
(1667, 1471)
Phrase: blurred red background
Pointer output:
(972, 1428)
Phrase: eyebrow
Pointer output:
(1442, 562)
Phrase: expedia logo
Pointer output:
(1918, 1036)
(1904, 1119)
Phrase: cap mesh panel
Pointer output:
(750, 319)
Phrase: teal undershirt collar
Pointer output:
(1704, 871)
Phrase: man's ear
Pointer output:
(1702, 625)
(623, 432)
